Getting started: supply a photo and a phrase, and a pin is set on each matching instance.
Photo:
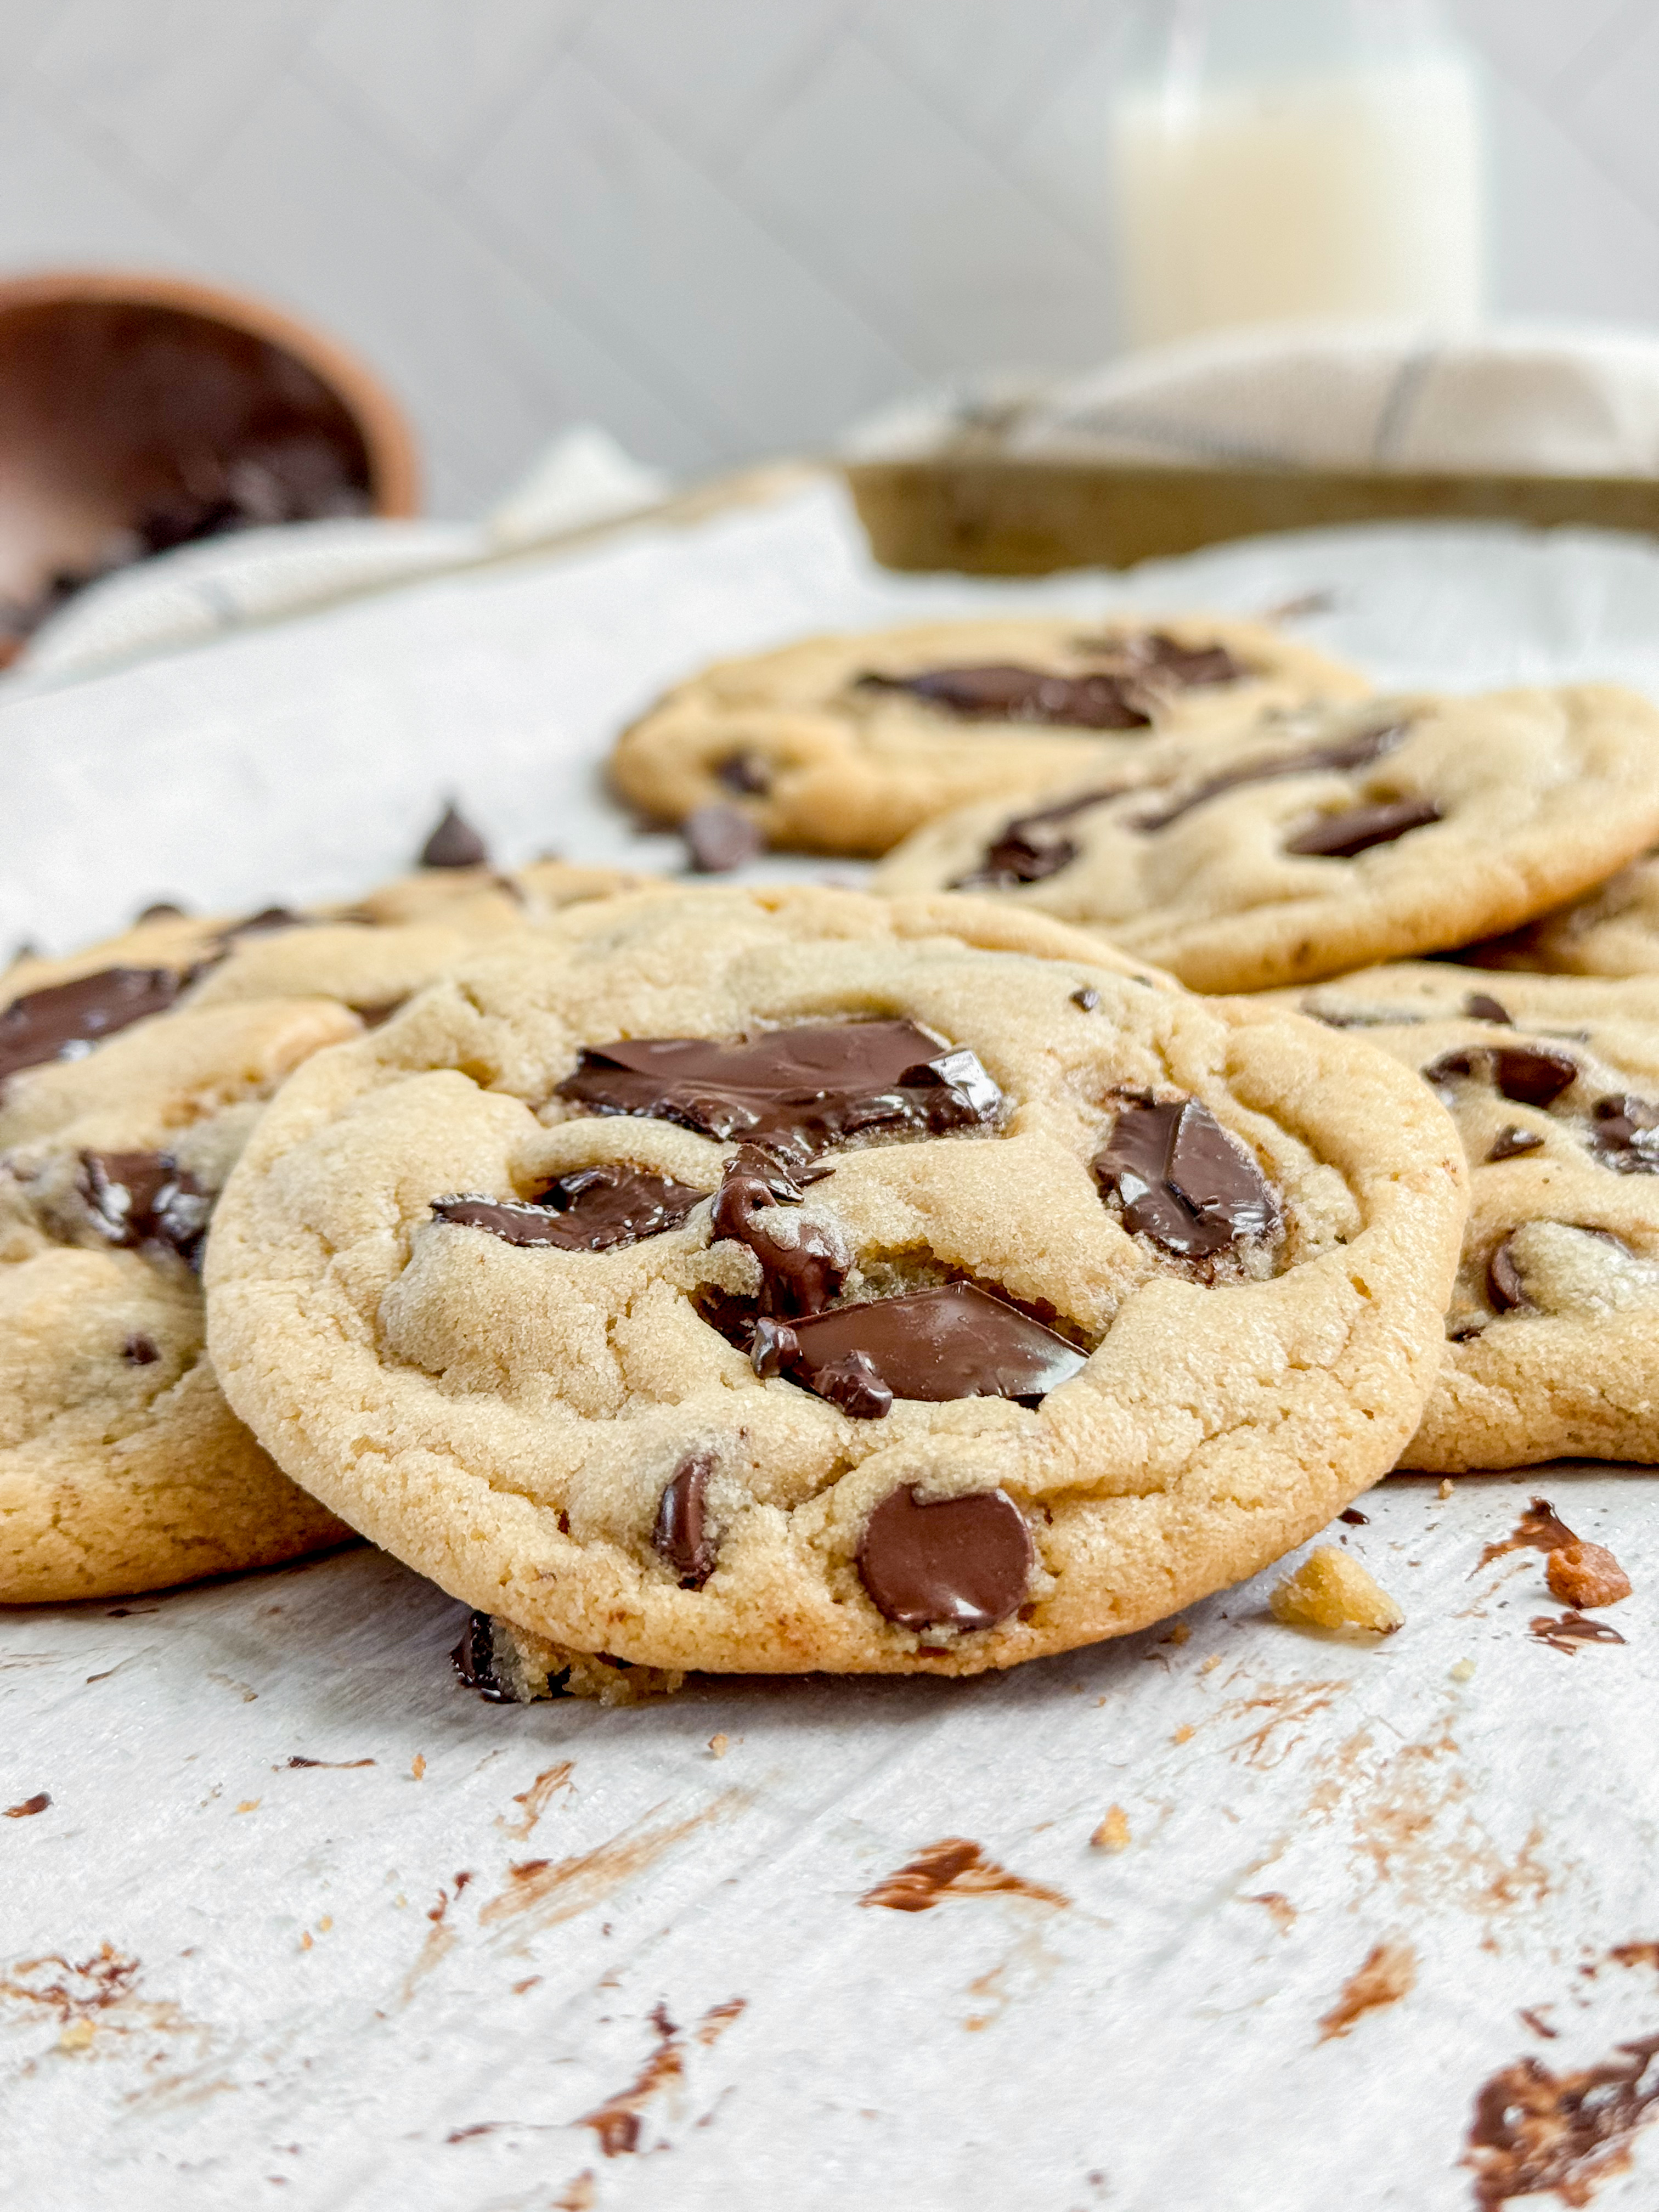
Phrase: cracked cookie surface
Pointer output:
(844, 744)
(1552, 1333)
(1021, 1299)
(1340, 838)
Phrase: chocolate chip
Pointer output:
(1354, 1517)
(1026, 850)
(1348, 753)
(1182, 1181)
(474, 1660)
(773, 1348)
(145, 1198)
(961, 1563)
(1530, 1074)
(1087, 998)
(746, 774)
(1511, 1142)
(802, 1263)
(1627, 1134)
(952, 1341)
(266, 923)
(1481, 1007)
(682, 1535)
(67, 1019)
(1001, 692)
(796, 1090)
(854, 1384)
(597, 1209)
(718, 838)
(378, 1011)
(1503, 1283)
(159, 910)
(455, 843)
(1342, 837)
(140, 1352)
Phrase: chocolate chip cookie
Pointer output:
(844, 744)
(1612, 931)
(130, 1077)
(1552, 1333)
(796, 1279)
(1402, 826)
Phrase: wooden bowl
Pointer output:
(139, 412)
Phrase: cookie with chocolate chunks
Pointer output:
(130, 1075)
(1027, 1298)
(1329, 841)
(1552, 1333)
(845, 744)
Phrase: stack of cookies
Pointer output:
(914, 1280)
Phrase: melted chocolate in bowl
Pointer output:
(129, 427)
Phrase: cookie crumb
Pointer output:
(29, 1806)
(1179, 1634)
(248, 1805)
(76, 2035)
(1445, 1489)
(1585, 1575)
(719, 1745)
(325, 1924)
(1113, 1833)
(1184, 1734)
(305, 1939)
(417, 1766)
(1331, 1589)
(1463, 1671)
(1211, 1663)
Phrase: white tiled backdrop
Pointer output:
(720, 227)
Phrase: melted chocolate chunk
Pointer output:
(955, 1340)
(1531, 1074)
(67, 1019)
(1001, 692)
(1024, 851)
(1481, 1007)
(1562, 1635)
(1156, 653)
(746, 774)
(474, 1661)
(961, 1563)
(1182, 1181)
(1504, 1286)
(1350, 752)
(718, 839)
(598, 1209)
(1626, 1137)
(682, 1535)
(455, 843)
(145, 1198)
(1342, 837)
(802, 1263)
(795, 1091)
(1509, 1144)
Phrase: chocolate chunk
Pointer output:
(1342, 837)
(66, 1020)
(718, 839)
(1481, 1007)
(140, 1352)
(455, 843)
(1002, 692)
(474, 1661)
(746, 774)
(773, 1348)
(955, 1340)
(1024, 850)
(1188, 667)
(853, 1383)
(1349, 752)
(598, 1209)
(1354, 1517)
(1087, 998)
(1511, 1142)
(145, 1198)
(795, 1091)
(378, 1011)
(266, 923)
(802, 1263)
(1531, 1074)
(1503, 1283)
(961, 1563)
(1626, 1137)
(682, 1535)
(1182, 1181)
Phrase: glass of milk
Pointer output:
(1279, 159)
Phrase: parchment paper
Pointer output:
(562, 1957)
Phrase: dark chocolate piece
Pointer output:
(1481, 1007)
(720, 838)
(140, 1352)
(1354, 1517)
(1626, 1137)
(955, 1340)
(795, 1091)
(1349, 752)
(455, 843)
(1086, 998)
(474, 1661)
(266, 923)
(1531, 1074)
(802, 1263)
(1002, 692)
(1342, 837)
(1182, 1181)
(746, 774)
(681, 1535)
(854, 1383)
(961, 1563)
(1024, 850)
(374, 1015)
(1503, 1283)
(773, 1348)
(1511, 1142)
(67, 1019)
(598, 1209)
(145, 1198)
